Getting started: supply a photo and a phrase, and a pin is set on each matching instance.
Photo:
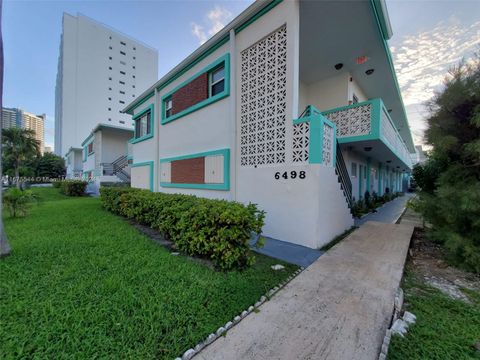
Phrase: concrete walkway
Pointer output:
(389, 212)
(289, 252)
(338, 308)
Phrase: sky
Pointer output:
(428, 38)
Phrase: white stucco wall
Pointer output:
(309, 211)
(140, 177)
(114, 144)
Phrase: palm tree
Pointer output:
(19, 145)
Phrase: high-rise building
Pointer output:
(13, 117)
(100, 70)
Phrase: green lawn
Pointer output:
(445, 328)
(83, 283)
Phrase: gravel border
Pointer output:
(190, 353)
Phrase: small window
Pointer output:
(90, 148)
(109, 68)
(122, 82)
(121, 122)
(134, 48)
(134, 58)
(122, 92)
(133, 66)
(109, 109)
(110, 37)
(168, 107)
(355, 99)
(109, 58)
(123, 63)
(121, 102)
(133, 95)
(142, 125)
(109, 88)
(133, 76)
(133, 86)
(109, 119)
(217, 81)
(354, 169)
(109, 98)
(124, 44)
(109, 78)
(122, 53)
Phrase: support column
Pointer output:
(380, 189)
(369, 172)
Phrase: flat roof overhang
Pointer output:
(333, 32)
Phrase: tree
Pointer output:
(450, 179)
(19, 145)
(49, 165)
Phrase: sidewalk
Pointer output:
(338, 308)
(389, 213)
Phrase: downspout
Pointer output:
(233, 115)
(369, 171)
(157, 124)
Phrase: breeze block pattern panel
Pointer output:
(190, 94)
(353, 121)
(263, 93)
(301, 142)
(328, 145)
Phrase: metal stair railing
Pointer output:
(116, 168)
(343, 176)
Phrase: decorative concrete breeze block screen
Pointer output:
(328, 144)
(301, 141)
(263, 93)
(353, 121)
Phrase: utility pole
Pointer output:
(4, 245)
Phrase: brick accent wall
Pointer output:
(188, 171)
(191, 94)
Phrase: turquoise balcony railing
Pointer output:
(368, 120)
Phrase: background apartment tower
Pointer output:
(13, 117)
(99, 71)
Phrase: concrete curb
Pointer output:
(222, 330)
(397, 307)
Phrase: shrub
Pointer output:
(56, 184)
(73, 187)
(216, 229)
(17, 201)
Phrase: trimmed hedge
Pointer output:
(73, 187)
(216, 229)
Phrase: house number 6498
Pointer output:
(290, 175)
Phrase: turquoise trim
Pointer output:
(152, 124)
(377, 107)
(378, 15)
(226, 171)
(225, 59)
(87, 139)
(259, 14)
(208, 51)
(146, 163)
(315, 149)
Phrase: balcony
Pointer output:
(368, 127)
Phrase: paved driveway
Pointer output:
(338, 308)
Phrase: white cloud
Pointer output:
(214, 21)
(422, 61)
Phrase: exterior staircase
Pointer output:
(343, 177)
(116, 168)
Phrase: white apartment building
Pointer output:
(100, 70)
(293, 106)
